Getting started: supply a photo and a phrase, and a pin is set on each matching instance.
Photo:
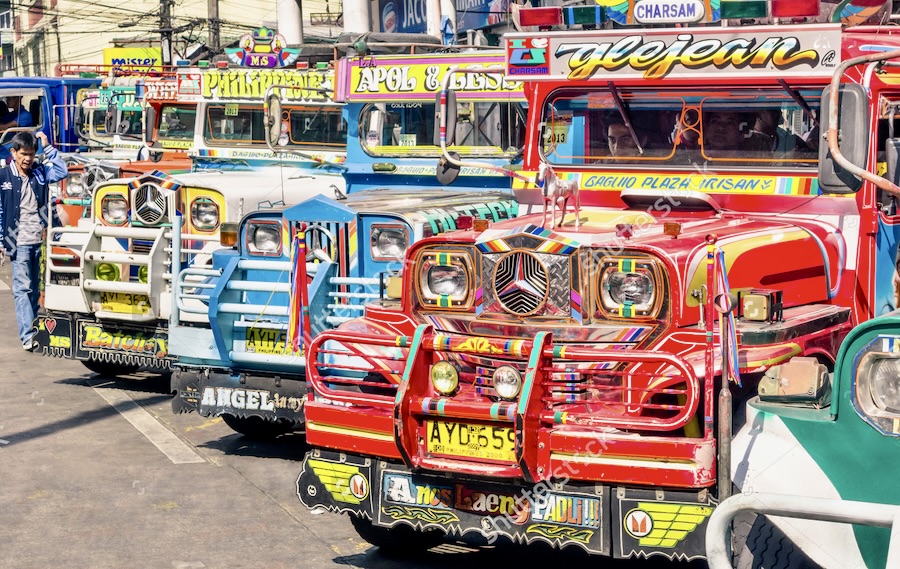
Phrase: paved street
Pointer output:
(99, 473)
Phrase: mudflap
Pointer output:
(86, 338)
(664, 523)
(212, 394)
(389, 494)
(53, 334)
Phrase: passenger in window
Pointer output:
(621, 142)
(768, 135)
(723, 133)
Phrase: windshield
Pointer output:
(742, 128)
(131, 123)
(484, 129)
(313, 126)
(177, 123)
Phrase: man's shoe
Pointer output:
(31, 346)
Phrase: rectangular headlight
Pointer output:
(877, 390)
(445, 280)
(388, 242)
(629, 287)
(264, 238)
(114, 209)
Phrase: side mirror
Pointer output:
(273, 118)
(112, 111)
(449, 112)
(79, 119)
(149, 123)
(853, 138)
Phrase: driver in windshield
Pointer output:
(16, 115)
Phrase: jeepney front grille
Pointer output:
(149, 204)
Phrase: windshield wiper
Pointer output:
(623, 112)
(798, 98)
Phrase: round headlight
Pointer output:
(74, 186)
(636, 288)
(205, 214)
(114, 210)
(143, 272)
(265, 238)
(444, 377)
(446, 281)
(107, 272)
(628, 287)
(389, 242)
(507, 382)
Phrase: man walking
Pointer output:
(24, 197)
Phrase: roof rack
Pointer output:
(80, 69)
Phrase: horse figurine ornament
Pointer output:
(556, 190)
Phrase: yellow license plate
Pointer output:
(267, 341)
(463, 440)
(125, 302)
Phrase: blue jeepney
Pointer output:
(313, 266)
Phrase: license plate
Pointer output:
(124, 302)
(471, 441)
(267, 341)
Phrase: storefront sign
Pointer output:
(263, 48)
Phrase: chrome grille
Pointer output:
(149, 204)
(521, 283)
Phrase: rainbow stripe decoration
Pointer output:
(297, 309)
(727, 328)
(162, 179)
(555, 244)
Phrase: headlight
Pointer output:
(264, 238)
(444, 377)
(389, 243)
(205, 214)
(114, 210)
(143, 274)
(107, 272)
(507, 382)
(444, 280)
(74, 186)
(628, 287)
(878, 385)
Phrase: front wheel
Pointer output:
(400, 540)
(767, 547)
(257, 427)
(108, 369)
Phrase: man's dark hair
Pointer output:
(23, 140)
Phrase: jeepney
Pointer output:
(108, 303)
(128, 153)
(313, 266)
(572, 382)
(814, 435)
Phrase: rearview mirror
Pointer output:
(79, 120)
(273, 118)
(112, 111)
(449, 109)
(149, 123)
(853, 138)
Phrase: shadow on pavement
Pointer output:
(291, 446)
(75, 421)
(141, 382)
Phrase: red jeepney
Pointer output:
(573, 381)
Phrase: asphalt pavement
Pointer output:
(99, 473)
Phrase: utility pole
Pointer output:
(165, 30)
(213, 43)
(290, 21)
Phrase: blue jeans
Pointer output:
(26, 279)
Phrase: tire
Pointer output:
(398, 541)
(766, 547)
(256, 427)
(108, 369)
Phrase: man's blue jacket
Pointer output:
(41, 176)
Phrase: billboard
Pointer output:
(150, 57)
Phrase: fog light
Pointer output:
(142, 274)
(107, 272)
(507, 382)
(444, 377)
